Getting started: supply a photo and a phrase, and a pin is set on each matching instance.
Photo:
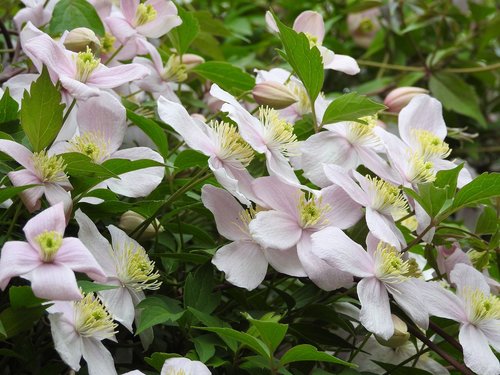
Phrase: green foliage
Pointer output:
(350, 107)
(70, 14)
(152, 129)
(485, 186)
(8, 108)
(227, 76)
(189, 159)
(10, 192)
(307, 352)
(183, 35)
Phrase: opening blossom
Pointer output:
(48, 259)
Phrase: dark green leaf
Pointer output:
(152, 130)
(15, 321)
(78, 164)
(155, 311)
(309, 353)
(482, 187)
(22, 296)
(272, 333)
(198, 290)
(447, 179)
(190, 159)
(488, 221)
(89, 286)
(182, 36)
(7, 193)
(70, 14)
(8, 108)
(350, 107)
(227, 76)
(120, 166)
(41, 112)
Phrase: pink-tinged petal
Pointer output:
(51, 54)
(340, 177)
(466, 277)
(56, 194)
(37, 15)
(54, 282)
(243, 262)
(271, 23)
(103, 115)
(343, 63)
(17, 152)
(344, 212)
(422, 113)
(99, 359)
(18, 84)
(285, 261)
(383, 228)
(397, 151)
(184, 365)
(275, 229)
(464, 176)
(338, 250)
(128, 8)
(320, 272)
(408, 296)
(227, 212)
(120, 28)
(278, 165)
(226, 180)
(119, 304)
(276, 74)
(177, 117)
(76, 256)
(121, 241)
(95, 242)
(478, 355)
(277, 195)
(17, 258)
(66, 341)
(51, 219)
(371, 160)
(77, 89)
(491, 329)
(30, 197)
(375, 313)
(165, 20)
(108, 78)
(245, 181)
(250, 128)
(443, 303)
(310, 22)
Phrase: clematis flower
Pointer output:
(184, 366)
(102, 125)
(38, 12)
(292, 218)
(81, 74)
(383, 270)
(363, 26)
(47, 259)
(312, 25)
(244, 261)
(269, 134)
(40, 169)
(78, 327)
(126, 265)
(478, 313)
(383, 202)
(228, 153)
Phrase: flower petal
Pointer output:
(226, 180)
(340, 177)
(119, 304)
(17, 152)
(443, 303)
(77, 89)
(275, 229)
(17, 258)
(466, 277)
(76, 256)
(66, 341)
(310, 22)
(51, 219)
(165, 20)
(51, 54)
(98, 358)
(30, 197)
(344, 212)
(478, 355)
(343, 63)
(383, 228)
(285, 261)
(54, 282)
(408, 297)
(375, 309)
(276, 194)
(108, 78)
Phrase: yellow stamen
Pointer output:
(430, 146)
(92, 145)
(388, 199)
(92, 319)
(175, 71)
(390, 266)
(420, 171)
(135, 269)
(49, 168)
(278, 132)
(86, 63)
(481, 306)
(50, 242)
(363, 134)
(312, 211)
(298, 90)
(145, 14)
(107, 43)
(231, 145)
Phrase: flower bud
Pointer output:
(400, 97)
(400, 336)
(189, 60)
(130, 220)
(80, 38)
(273, 94)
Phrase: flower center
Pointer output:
(313, 40)
(390, 266)
(145, 14)
(49, 168)
(231, 147)
(86, 63)
(481, 306)
(175, 71)
(107, 43)
(50, 242)
(278, 132)
(387, 199)
(420, 171)
(92, 319)
(366, 25)
(430, 146)
(312, 211)
(362, 134)
(298, 90)
(135, 269)
(92, 145)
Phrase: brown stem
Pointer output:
(445, 336)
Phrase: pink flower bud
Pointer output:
(190, 60)
(273, 94)
(400, 97)
(80, 38)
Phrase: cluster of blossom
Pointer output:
(294, 224)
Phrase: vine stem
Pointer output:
(445, 336)
(117, 51)
(70, 108)
(403, 68)
(419, 237)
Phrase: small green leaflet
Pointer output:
(70, 14)
(350, 107)
(8, 108)
(183, 35)
(227, 76)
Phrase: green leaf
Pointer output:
(307, 352)
(488, 222)
(155, 311)
(350, 107)
(7, 193)
(78, 164)
(227, 76)
(15, 321)
(456, 95)
(41, 112)
(70, 14)
(205, 347)
(183, 35)
(8, 108)
(152, 130)
(430, 197)
(189, 159)
(89, 286)
(447, 179)
(22, 296)
(120, 166)
(198, 290)
(272, 333)
(305, 61)
(482, 187)
(253, 343)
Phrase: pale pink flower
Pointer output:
(81, 74)
(47, 259)
(38, 12)
(244, 261)
(78, 327)
(293, 216)
(383, 271)
(363, 26)
(40, 169)
(478, 313)
(228, 153)
(184, 366)
(312, 25)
